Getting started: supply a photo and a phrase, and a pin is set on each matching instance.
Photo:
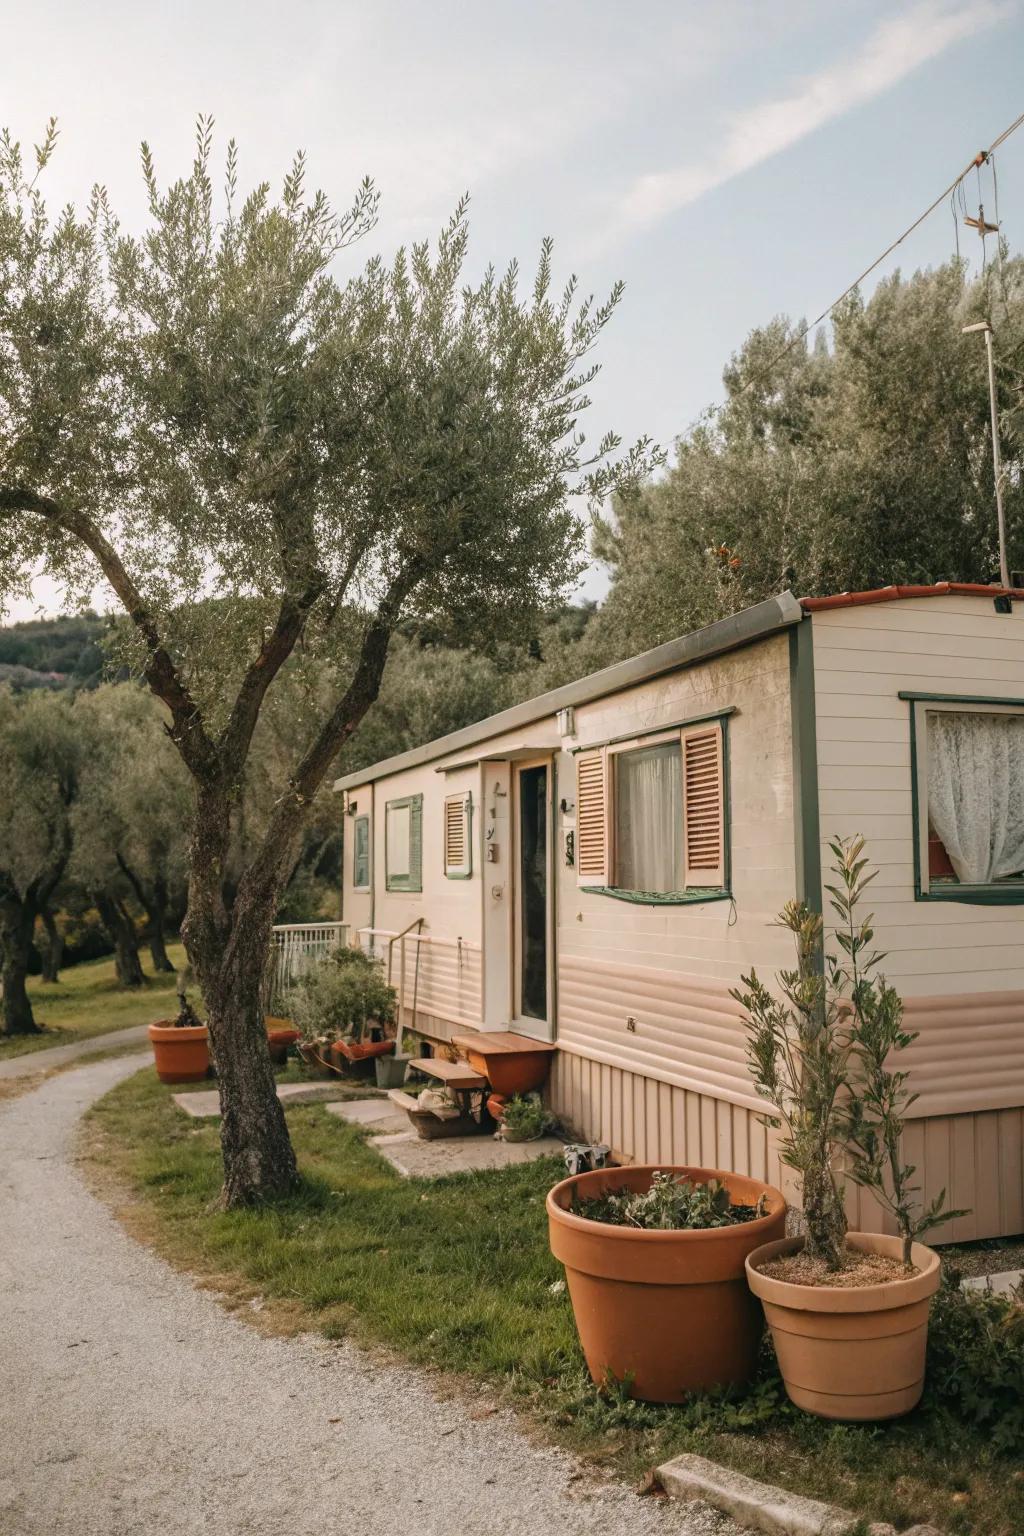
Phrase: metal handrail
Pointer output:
(400, 938)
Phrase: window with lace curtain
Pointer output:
(969, 780)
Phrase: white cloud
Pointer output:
(894, 49)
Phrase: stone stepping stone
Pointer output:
(378, 1117)
(416, 1158)
(205, 1104)
(1002, 1283)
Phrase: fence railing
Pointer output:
(294, 949)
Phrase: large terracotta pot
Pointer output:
(850, 1352)
(182, 1055)
(669, 1313)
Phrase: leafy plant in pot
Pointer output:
(181, 1046)
(654, 1259)
(340, 1003)
(848, 1311)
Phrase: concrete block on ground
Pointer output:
(759, 1506)
(414, 1157)
(1002, 1284)
(205, 1104)
(378, 1117)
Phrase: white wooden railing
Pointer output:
(294, 949)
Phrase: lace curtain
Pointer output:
(649, 819)
(976, 792)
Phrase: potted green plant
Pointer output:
(524, 1117)
(654, 1260)
(181, 1046)
(848, 1311)
(344, 1007)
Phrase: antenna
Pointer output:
(983, 325)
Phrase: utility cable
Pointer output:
(980, 159)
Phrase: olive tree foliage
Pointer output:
(258, 457)
(130, 822)
(40, 763)
(834, 467)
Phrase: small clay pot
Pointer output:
(181, 1055)
(850, 1352)
(281, 1033)
(665, 1313)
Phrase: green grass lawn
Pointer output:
(456, 1274)
(87, 1001)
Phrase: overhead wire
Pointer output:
(955, 186)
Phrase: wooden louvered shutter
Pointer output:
(592, 840)
(458, 857)
(703, 806)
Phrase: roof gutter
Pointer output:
(750, 624)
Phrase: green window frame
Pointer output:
(361, 878)
(998, 893)
(409, 849)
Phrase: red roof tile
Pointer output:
(890, 594)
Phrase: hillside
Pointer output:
(52, 653)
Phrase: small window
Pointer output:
(403, 844)
(969, 776)
(458, 848)
(361, 853)
(651, 815)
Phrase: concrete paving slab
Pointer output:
(204, 1104)
(1006, 1281)
(413, 1157)
(376, 1116)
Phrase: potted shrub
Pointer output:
(848, 1311)
(181, 1046)
(524, 1117)
(654, 1259)
(341, 1003)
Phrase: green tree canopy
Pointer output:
(832, 468)
(258, 457)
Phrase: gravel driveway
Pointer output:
(131, 1403)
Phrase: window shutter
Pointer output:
(415, 843)
(592, 818)
(458, 854)
(703, 806)
(361, 854)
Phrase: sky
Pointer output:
(730, 161)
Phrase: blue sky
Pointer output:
(731, 161)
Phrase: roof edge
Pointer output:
(891, 594)
(750, 624)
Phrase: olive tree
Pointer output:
(40, 757)
(260, 458)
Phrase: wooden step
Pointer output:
(500, 1042)
(457, 1075)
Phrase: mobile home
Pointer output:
(596, 868)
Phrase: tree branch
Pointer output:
(274, 652)
(189, 733)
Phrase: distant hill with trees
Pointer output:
(53, 653)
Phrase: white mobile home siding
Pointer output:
(960, 968)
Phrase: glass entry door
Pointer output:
(533, 899)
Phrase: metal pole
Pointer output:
(1004, 569)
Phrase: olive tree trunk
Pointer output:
(121, 932)
(52, 952)
(229, 952)
(17, 920)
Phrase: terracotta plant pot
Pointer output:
(496, 1106)
(281, 1033)
(669, 1313)
(510, 1072)
(182, 1055)
(850, 1352)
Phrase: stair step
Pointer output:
(501, 1042)
(454, 1074)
